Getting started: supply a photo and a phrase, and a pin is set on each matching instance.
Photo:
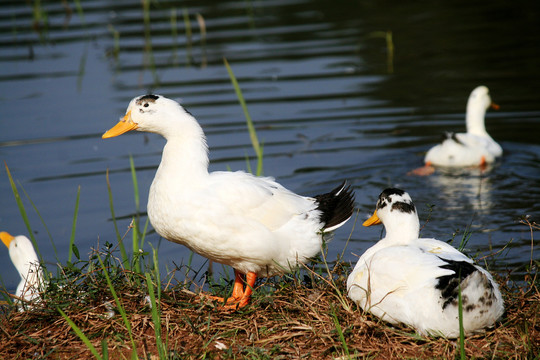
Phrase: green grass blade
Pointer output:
(189, 42)
(104, 349)
(463, 355)
(202, 30)
(125, 259)
(157, 275)
(82, 68)
(74, 226)
(136, 220)
(143, 234)
(188, 267)
(350, 234)
(80, 11)
(342, 299)
(148, 51)
(118, 305)
(22, 210)
(135, 243)
(340, 332)
(174, 34)
(390, 52)
(251, 128)
(465, 238)
(155, 316)
(116, 40)
(42, 222)
(135, 183)
(388, 37)
(80, 334)
(4, 294)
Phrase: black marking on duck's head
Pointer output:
(388, 197)
(402, 206)
(385, 197)
(449, 284)
(145, 99)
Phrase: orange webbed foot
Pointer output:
(425, 170)
(240, 296)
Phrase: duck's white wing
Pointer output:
(441, 249)
(480, 143)
(260, 199)
(396, 283)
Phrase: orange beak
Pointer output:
(373, 220)
(495, 106)
(123, 126)
(6, 238)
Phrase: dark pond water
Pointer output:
(354, 90)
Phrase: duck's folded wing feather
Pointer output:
(260, 199)
(442, 250)
(400, 268)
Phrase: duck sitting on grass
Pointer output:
(24, 257)
(418, 281)
(251, 223)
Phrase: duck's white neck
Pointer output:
(402, 228)
(476, 113)
(185, 156)
(184, 162)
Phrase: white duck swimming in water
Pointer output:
(251, 223)
(23, 256)
(473, 148)
(416, 281)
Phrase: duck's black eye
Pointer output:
(145, 105)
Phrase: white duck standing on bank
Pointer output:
(416, 281)
(473, 148)
(251, 223)
(23, 256)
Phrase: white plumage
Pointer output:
(415, 281)
(251, 223)
(473, 148)
(26, 262)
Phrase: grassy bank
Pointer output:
(299, 316)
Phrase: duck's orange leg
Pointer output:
(240, 296)
(483, 163)
(238, 289)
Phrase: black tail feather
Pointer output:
(336, 206)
